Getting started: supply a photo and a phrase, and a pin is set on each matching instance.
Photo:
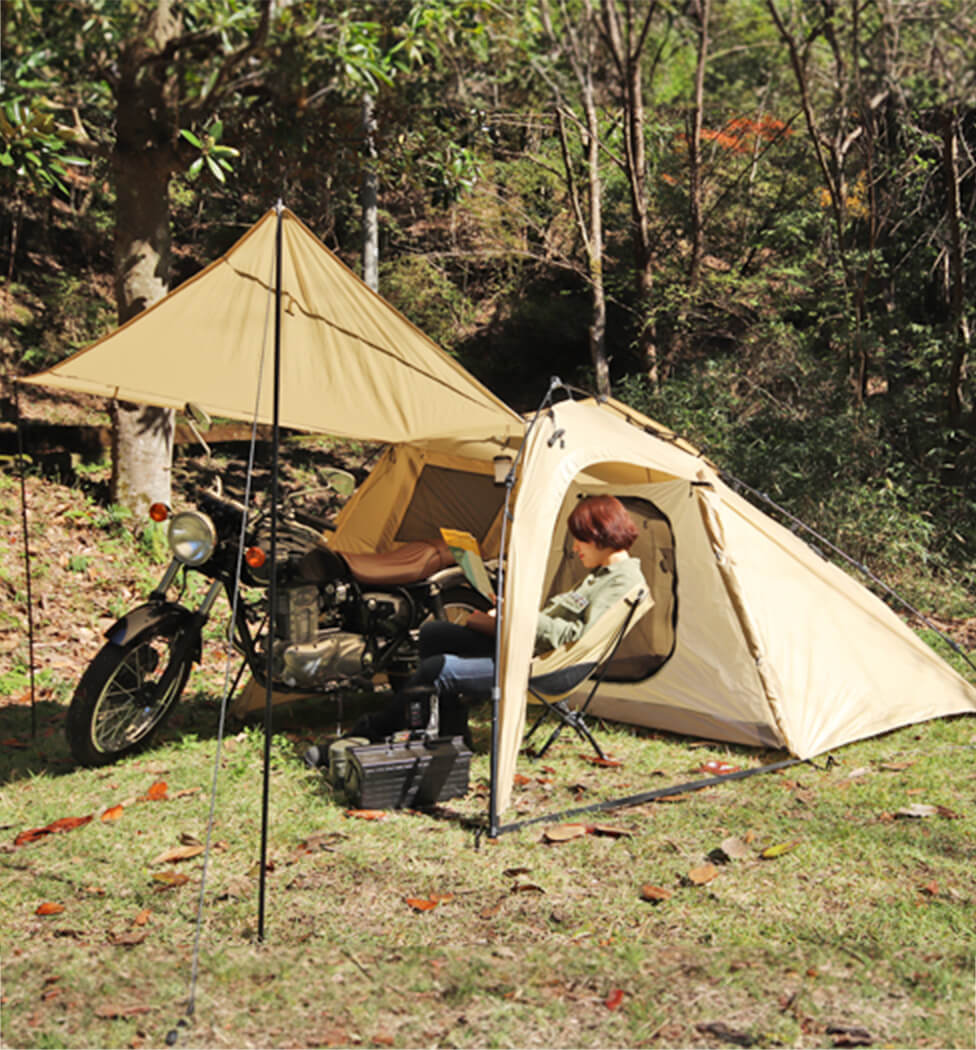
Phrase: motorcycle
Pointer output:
(341, 619)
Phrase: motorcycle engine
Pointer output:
(312, 665)
(389, 614)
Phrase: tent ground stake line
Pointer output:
(634, 800)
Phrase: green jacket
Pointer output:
(566, 616)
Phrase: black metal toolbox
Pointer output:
(400, 774)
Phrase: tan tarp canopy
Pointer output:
(351, 365)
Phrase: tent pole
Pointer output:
(27, 558)
(555, 383)
(273, 589)
(496, 692)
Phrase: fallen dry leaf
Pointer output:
(511, 873)
(772, 852)
(49, 908)
(609, 831)
(703, 874)
(527, 887)
(168, 879)
(142, 918)
(655, 894)
(112, 1011)
(607, 763)
(156, 792)
(614, 999)
(563, 832)
(128, 939)
(177, 853)
(520, 779)
(735, 849)
(421, 903)
(366, 814)
(713, 767)
(917, 810)
(722, 1031)
(62, 824)
(849, 1035)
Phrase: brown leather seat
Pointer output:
(407, 564)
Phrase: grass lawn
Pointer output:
(830, 904)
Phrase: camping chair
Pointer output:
(557, 673)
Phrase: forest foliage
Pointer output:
(755, 216)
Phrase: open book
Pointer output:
(467, 554)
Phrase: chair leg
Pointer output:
(567, 717)
(535, 725)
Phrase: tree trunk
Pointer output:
(957, 292)
(626, 44)
(143, 160)
(598, 326)
(142, 444)
(577, 45)
(371, 233)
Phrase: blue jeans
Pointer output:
(455, 661)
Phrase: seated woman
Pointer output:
(458, 660)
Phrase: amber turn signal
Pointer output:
(255, 557)
(159, 512)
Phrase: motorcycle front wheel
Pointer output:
(125, 695)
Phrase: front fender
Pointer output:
(147, 618)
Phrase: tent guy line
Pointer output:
(288, 299)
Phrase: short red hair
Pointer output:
(603, 520)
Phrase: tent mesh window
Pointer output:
(650, 643)
(453, 499)
(648, 647)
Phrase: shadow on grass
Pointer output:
(26, 753)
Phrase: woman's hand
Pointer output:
(482, 621)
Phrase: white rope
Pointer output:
(228, 642)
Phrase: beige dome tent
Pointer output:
(753, 637)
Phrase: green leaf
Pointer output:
(215, 169)
(191, 138)
(195, 168)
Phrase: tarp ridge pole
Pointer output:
(273, 589)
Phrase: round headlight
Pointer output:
(192, 537)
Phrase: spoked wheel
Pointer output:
(125, 695)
